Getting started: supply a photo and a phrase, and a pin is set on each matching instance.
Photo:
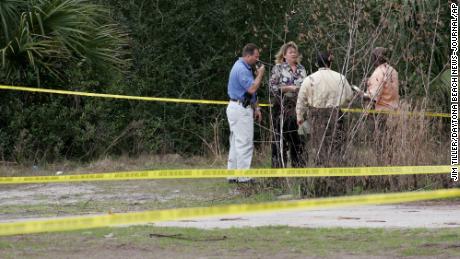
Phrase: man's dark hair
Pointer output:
(322, 59)
(249, 49)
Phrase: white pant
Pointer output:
(241, 123)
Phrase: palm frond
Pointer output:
(9, 10)
(56, 32)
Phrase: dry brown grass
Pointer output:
(113, 164)
(380, 140)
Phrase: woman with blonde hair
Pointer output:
(285, 81)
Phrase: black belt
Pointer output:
(235, 100)
(240, 102)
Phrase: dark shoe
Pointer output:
(232, 180)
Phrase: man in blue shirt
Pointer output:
(242, 109)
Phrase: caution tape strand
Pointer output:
(223, 173)
(193, 101)
(97, 221)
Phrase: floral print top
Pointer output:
(283, 75)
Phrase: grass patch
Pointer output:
(252, 242)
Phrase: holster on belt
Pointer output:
(246, 99)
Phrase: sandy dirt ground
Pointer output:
(387, 216)
(136, 194)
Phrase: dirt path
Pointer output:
(388, 216)
(18, 202)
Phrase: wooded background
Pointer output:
(185, 49)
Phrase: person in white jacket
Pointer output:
(318, 103)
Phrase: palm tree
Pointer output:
(48, 36)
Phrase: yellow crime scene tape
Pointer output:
(222, 173)
(189, 101)
(427, 114)
(113, 96)
(97, 221)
